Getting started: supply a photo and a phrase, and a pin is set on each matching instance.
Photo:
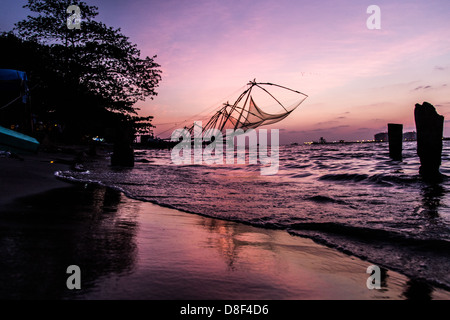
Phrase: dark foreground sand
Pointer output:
(128, 249)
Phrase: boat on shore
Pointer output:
(13, 93)
(14, 141)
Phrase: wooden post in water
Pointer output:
(395, 134)
(123, 152)
(429, 127)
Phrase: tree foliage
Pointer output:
(91, 72)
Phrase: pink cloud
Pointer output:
(209, 49)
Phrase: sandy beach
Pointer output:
(132, 250)
(29, 175)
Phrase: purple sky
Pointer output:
(357, 79)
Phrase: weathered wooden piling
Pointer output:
(395, 134)
(429, 127)
(123, 152)
(123, 155)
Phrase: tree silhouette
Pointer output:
(95, 75)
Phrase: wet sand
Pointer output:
(129, 249)
(30, 175)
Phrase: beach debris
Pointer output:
(79, 167)
(78, 161)
(395, 137)
(8, 154)
(5, 154)
(430, 127)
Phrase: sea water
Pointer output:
(351, 197)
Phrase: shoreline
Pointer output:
(132, 249)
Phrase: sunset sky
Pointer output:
(357, 79)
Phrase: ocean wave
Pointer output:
(379, 179)
(373, 234)
(420, 259)
(301, 175)
(356, 177)
(324, 199)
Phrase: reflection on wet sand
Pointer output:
(225, 243)
(128, 249)
(42, 235)
(235, 243)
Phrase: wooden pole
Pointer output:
(429, 127)
(395, 134)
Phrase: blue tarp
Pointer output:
(9, 74)
(14, 81)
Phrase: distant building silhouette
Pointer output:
(381, 137)
(410, 136)
(407, 136)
